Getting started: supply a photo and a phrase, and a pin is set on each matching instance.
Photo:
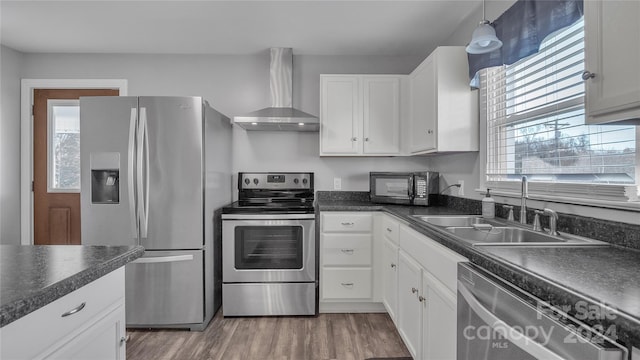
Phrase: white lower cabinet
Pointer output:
(427, 312)
(88, 323)
(436, 296)
(415, 278)
(390, 278)
(346, 248)
(409, 306)
(101, 340)
(438, 320)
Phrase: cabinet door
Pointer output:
(104, 339)
(409, 307)
(390, 278)
(423, 107)
(381, 118)
(439, 320)
(340, 116)
(612, 54)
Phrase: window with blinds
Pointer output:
(535, 125)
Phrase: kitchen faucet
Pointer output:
(553, 221)
(523, 201)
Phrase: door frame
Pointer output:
(26, 137)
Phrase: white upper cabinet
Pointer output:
(381, 117)
(443, 110)
(612, 56)
(340, 112)
(360, 115)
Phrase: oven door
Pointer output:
(268, 248)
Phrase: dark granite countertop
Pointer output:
(569, 278)
(34, 276)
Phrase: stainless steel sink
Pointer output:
(488, 235)
(452, 220)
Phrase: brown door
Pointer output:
(56, 164)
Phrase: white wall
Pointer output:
(10, 74)
(234, 85)
(262, 151)
(466, 167)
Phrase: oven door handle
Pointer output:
(268, 216)
(522, 341)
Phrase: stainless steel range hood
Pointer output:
(281, 116)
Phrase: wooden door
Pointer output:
(56, 190)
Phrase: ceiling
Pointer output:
(231, 27)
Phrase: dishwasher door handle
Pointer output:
(525, 343)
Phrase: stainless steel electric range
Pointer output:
(269, 247)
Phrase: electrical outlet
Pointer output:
(337, 183)
(461, 188)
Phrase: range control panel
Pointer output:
(270, 181)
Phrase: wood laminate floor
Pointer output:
(328, 336)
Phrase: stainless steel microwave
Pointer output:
(408, 188)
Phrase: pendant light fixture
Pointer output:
(483, 39)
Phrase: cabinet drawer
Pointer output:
(346, 283)
(346, 249)
(346, 222)
(35, 334)
(390, 228)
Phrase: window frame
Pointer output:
(552, 191)
(558, 192)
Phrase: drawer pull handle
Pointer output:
(347, 284)
(347, 251)
(414, 290)
(393, 266)
(75, 310)
(124, 339)
(347, 224)
(389, 230)
(421, 298)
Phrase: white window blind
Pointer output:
(535, 127)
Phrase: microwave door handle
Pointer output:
(411, 193)
(525, 343)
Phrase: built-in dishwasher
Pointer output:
(497, 321)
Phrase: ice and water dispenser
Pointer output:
(105, 178)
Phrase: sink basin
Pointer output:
(503, 235)
(452, 220)
(487, 235)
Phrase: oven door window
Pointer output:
(268, 247)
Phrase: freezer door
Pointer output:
(165, 288)
(171, 181)
(107, 146)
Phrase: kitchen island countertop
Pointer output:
(32, 276)
(592, 278)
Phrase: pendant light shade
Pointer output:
(483, 39)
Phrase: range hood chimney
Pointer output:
(281, 116)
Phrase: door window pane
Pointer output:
(63, 145)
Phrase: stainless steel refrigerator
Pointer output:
(154, 170)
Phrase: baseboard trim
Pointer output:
(352, 307)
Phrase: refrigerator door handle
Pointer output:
(145, 128)
(130, 173)
(162, 259)
(142, 216)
